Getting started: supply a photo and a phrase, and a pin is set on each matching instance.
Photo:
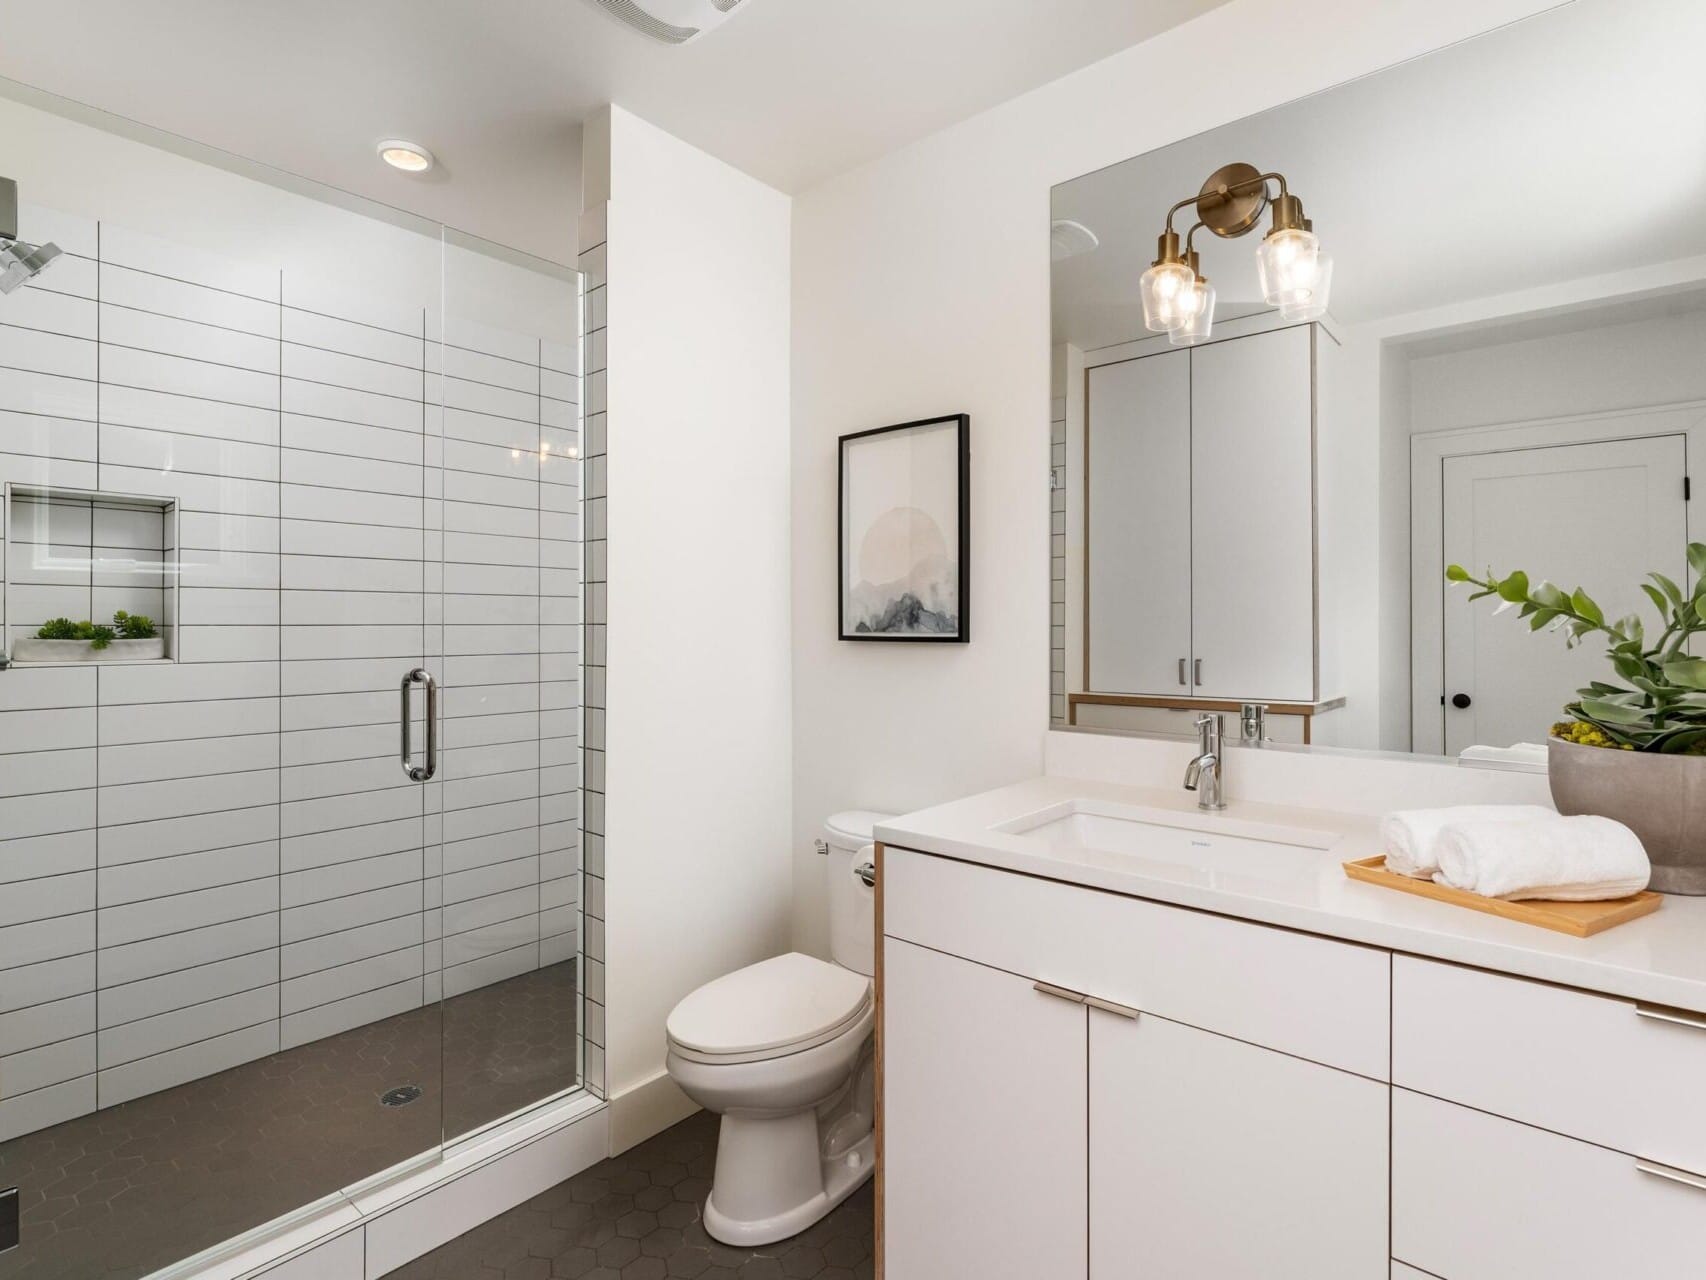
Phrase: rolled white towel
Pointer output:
(1410, 837)
(1582, 859)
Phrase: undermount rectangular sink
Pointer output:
(1210, 844)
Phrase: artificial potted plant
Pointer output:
(1634, 751)
(131, 638)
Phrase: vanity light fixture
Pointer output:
(1295, 274)
(410, 157)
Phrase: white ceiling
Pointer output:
(791, 91)
(1569, 145)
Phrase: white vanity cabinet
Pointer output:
(1212, 1157)
(984, 1139)
(1201, 577)
(1569, 1127)
(1080, 1084)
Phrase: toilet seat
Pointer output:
(777, 1007)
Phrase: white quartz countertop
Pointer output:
(1660, 959)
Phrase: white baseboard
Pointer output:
(366, 1232)
(645, 1110)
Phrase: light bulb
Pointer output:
(1197, 314)
(1163, 288)
(1311, 304)
(1286, 263)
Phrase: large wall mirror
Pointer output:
(1258, 504)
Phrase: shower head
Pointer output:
(20, 261)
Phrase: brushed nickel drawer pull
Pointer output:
(1108, 1006)
(1662, 1013)
(1671, 1174)
(1059, 993)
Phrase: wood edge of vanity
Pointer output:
(877, 1052)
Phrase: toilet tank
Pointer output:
(852, 903)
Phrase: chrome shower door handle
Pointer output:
(420, 773)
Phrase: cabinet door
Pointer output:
(1253, 517)
(1478, 1197)
(1138, 509)
(1210, 1157)
(983, 1123)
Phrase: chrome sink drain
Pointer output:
(401, 1096)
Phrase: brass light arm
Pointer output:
(1225, 190)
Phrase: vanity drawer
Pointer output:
(1312, 997)
(1476, 1197)
(1591, 1066)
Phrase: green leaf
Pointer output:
(1585, 606)
(1613, 712)
(1514, 588)
(1690, 673)
(1541, 618)
(1669, 587)
(1550, 597)
(1456, 573)
(1697, 558)
(1657, 599)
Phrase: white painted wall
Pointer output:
(921, 286)
(1619, 366)
(698, 727)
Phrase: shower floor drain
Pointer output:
(401, 1096)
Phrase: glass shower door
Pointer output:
(509, 787)
(219, 986)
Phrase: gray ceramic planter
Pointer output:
(1660, 798)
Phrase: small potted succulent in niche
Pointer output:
(131, 638)
(1636, 750)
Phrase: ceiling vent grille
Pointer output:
(642, 21)
(672, 21)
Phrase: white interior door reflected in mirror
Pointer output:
(1577, 514)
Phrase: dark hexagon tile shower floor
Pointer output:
(121, 1192)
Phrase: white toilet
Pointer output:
(782, 1051)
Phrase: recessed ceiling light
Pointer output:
(410, 157)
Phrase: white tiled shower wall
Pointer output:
(594, 274)
(204, 861)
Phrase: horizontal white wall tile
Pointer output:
(218, 344)
(147, 291)
(123, 1002)
(194, 833)
(192, 1061)
(169, 953)
(42, 1108)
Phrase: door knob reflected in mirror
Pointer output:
(1460, 701)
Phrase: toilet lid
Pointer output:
(773, 1004)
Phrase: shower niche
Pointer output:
(89, 577)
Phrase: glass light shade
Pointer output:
(1163, 288)
(1197, 314)
(1313, 304)
(1286, 262)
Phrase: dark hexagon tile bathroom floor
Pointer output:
(637, 1217)
(119, 1193)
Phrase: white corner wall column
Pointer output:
(687, 869)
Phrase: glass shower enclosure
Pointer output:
(296, 903)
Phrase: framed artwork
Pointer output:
(904, 540)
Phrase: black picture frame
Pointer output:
(961, 533)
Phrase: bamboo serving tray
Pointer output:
(1578, 919)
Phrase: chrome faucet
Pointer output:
(1202, 775)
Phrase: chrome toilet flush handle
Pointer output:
(867, 873)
